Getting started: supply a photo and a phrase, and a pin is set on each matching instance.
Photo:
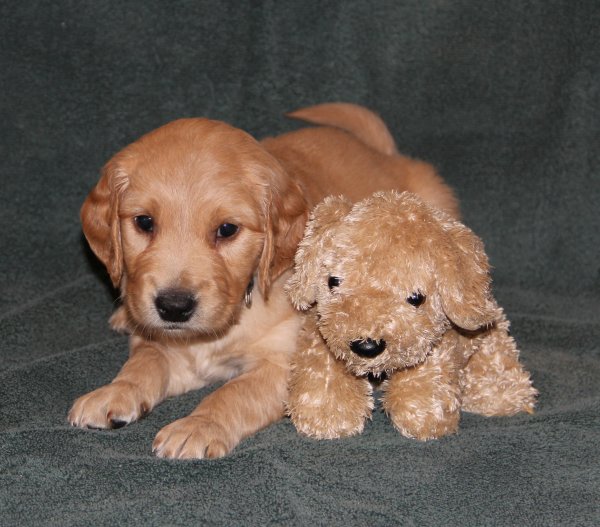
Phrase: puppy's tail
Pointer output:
(358, 120)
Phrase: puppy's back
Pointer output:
(354, 155)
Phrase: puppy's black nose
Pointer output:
(368, 347)
(175, 305)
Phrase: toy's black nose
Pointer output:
(175, 305)
(368, 347)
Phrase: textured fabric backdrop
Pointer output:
(503, 97)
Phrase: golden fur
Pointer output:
(393, 286)
(185, 219)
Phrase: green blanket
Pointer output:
(503, 97)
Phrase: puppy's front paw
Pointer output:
(193, 437)
(112, 406)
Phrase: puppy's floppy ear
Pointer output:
(100, 219)
(464, 279)
(302, 286)
(286, 212)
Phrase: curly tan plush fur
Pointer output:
(392, 286)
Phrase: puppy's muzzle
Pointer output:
(368, 348)
(175, 305)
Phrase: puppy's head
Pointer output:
(185, 217)
(388, 276)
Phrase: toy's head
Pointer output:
(389, 276)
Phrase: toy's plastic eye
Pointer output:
(144, 223)
(227, 230)
(416, 299)
(333, 281)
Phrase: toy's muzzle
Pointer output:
(368, 348)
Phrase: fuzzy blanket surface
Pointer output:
(503, 97)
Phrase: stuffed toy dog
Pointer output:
(398, 290)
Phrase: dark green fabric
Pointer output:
(504, 97)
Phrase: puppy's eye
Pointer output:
(144, 223)
(333, 281)
(416, 299)
(227, 230)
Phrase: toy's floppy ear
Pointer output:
(302, 286)
(464, 280)
(100, 220)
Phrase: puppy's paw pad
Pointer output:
(117, 423)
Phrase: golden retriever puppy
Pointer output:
(197, 224)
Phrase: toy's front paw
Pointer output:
(329, 412)
(328, 422)
(193, 437)
(422, 414)
(431, 424)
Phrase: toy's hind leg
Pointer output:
(494, 382)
